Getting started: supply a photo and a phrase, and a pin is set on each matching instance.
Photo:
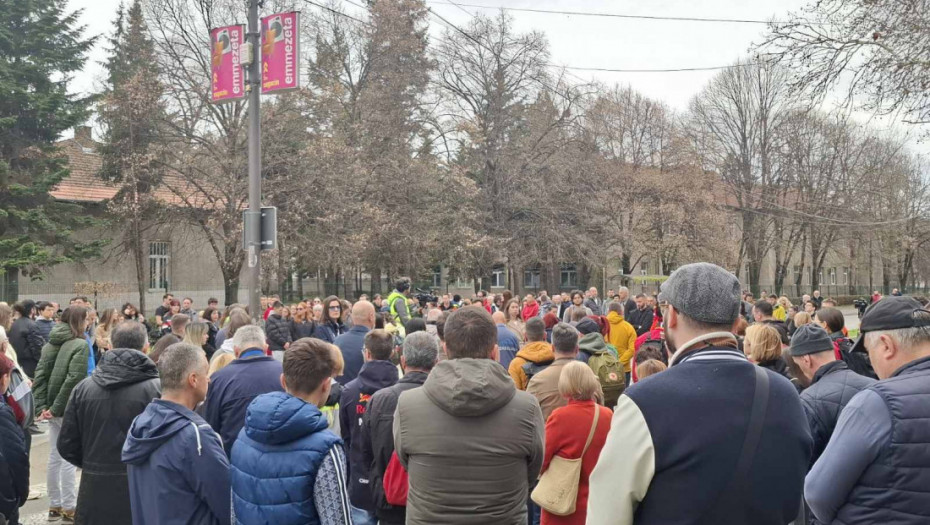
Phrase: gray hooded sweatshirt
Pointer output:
(472, 445)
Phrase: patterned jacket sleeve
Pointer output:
(330, 490)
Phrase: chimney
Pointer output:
(83, 136)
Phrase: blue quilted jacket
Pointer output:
(276, 458)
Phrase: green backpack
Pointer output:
(609, 373)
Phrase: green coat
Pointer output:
(62, 366)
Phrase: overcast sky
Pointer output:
(583, 41)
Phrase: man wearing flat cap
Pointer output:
(876, 467)
(712, 440)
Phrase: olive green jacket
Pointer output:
(62, 366)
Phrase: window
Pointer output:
(437, 277)
(159, 259)
(798, 271)
(498, 277)
(531, 278)
(462, 282)
(568, 277)
(644, 267)
(832, 275)
(845, 275)
(820, 276)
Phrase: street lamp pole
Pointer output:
(253, 235)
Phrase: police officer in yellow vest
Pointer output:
(397, 302)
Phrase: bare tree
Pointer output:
(205, 143)
(876, 50)
(732, 125)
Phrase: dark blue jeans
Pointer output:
(533, 513)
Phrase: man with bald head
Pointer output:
(507, 340)
(352, 343)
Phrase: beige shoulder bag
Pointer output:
(557, 490)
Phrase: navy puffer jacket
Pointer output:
(14, 464)
(276, 458)
(833, 386)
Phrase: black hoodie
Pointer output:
(373, 376)
(94, 428)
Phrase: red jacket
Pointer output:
(566, 432)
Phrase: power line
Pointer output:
(665, 70)
(612, 15)
(580, 68)
(335, 12)
(482, 45)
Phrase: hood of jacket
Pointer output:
(614, 318)
(537, 352)
(776, 323)
(593, 344)
(123, 366)
(469, 387)
(376, 375)
(160, 421)
(227, 346)
(277, 418)
(60, 334)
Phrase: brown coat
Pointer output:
(545, 387)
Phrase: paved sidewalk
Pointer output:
(35, 511)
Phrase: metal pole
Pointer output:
(255, 165)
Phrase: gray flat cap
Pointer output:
(704, 292)
(810, 339)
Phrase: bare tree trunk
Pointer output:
(138, 255)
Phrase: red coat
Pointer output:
(566, 432)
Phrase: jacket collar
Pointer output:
(250, 354)
(827, 368)
(918, 364)
(417, 378)
(702, 343)
(359, 329)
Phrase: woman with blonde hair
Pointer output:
(219, 362)
(577, 430)
(198, 334)
(785, 303)
(6, 316)
(801, 319)
(762, 346)
(108, 321)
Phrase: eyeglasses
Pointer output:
(335, 308)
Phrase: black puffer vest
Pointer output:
(893, 489)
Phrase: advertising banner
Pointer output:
(280, 52)
(228, 75)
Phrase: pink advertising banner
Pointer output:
(280, 52)
(228, 77)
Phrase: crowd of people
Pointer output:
(701, 404)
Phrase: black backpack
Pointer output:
(530, 369)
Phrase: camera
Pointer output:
(425, 297)
(861, 304)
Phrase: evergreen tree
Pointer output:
(131, 112)
(41, 46)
